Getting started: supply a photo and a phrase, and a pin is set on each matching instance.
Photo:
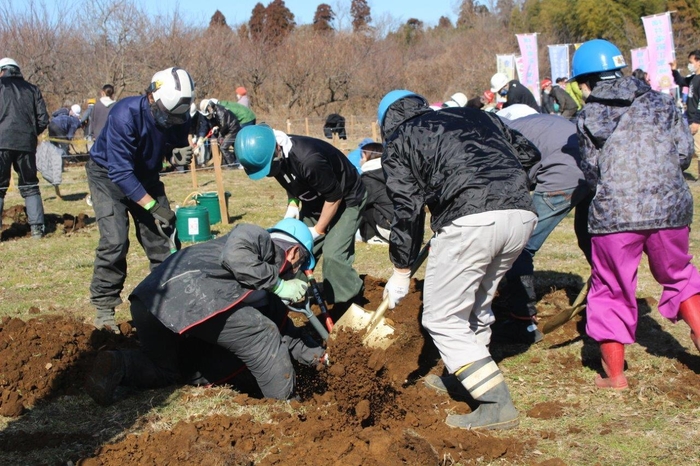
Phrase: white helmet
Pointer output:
(5, 62)
(459, 98)
(75, 108)
(204, 104)
(172, 90)
(498, 81)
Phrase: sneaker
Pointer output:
(358, 237)
(377, 240)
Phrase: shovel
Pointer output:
(378, 331)
(568, 314)
(170, 239)
(306, 311)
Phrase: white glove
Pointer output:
(292, 211)
(314, 234)
(397, 287)
(215, 131)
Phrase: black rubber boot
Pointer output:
(107, 374)
(486, 385)
(448, 384)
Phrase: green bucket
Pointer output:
(210, 201)
(193, 224)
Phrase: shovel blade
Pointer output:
(358, 319)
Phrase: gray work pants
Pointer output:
(112, 210)
(467, 260)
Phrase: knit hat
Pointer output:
(241, 90)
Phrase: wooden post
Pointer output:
(306, 120)
(375, 131)
(289, 126)
(193, 168)
(223, 206)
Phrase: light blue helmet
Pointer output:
(255, 148)
(300, 232)
(596, 56)
(389, 99)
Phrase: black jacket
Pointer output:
(457, 161)
(314, 170)
(693, 102)
(519, 94)
(207, 279)
(23, 114)
(377, 197)
(228, 124)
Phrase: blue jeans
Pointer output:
(551, 209)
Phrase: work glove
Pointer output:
(314, 234)
(293, 290)
(292, 211)
(215, 131)
(397, 287)
(182, 156)
(163, 215)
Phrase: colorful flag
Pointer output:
(506, 64)
(640, 58)
(530, 76)
(559, 61)
(660, 49)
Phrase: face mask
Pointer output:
(691, 67)
(546, 92)
(165, 120)
(503, 92)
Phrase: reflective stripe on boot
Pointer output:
(486, 385)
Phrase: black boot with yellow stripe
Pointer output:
(486, 385)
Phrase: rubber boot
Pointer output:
(37, 231)
(448, 384)
(486, 385)
(613, 358)
(107, 374)
(104, 319)
(35, 210)
(690, 312)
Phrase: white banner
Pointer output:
(559, 61)
(506, 64)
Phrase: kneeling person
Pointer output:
(219, 298)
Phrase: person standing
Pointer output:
(324, 190)
(692, 81)
(471, 178)
(23, 118)
(226, 125)
(634, 148)
(123, 176)
(242, 96)
(101, 111)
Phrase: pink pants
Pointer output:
(612, 306)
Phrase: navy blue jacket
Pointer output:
(65, 123)
(131, 147)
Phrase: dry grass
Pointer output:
(648, 424)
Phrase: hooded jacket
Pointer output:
(207, 279)
(23, 114)
(634, 148)
(457, 161)
(377, 197)
(98, 119)
(519, 94)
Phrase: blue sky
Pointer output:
(238, 11)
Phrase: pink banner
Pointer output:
(530, 76)
(640, 58)
(660, 49)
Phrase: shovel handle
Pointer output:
(319, 299)
(169, 239)
(315, 323)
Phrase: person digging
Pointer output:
(213, 308)
(467, 167)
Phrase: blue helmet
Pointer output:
(300, 232)
(596, 56)
(255, 148)
(389, 99)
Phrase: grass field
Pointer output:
(656, 421)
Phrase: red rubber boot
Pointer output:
(690, 312)
(613, 357)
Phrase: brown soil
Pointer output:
(14, 223)
(368, 408)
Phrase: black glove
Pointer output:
(182, 155)
(163, 215)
